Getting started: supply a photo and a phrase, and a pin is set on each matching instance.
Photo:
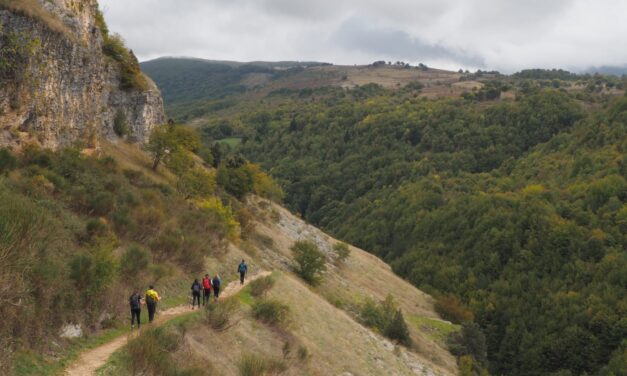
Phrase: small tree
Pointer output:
(120, 125)
(196, 183)
(397, 329)
(237, 181)
(168, 139)
(342, 251)
(310, 260)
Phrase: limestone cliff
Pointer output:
(56, 84)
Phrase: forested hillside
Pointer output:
(512, 212)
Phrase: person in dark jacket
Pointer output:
(136, 308)
(196, 289)
(215, 283)
(206, 287)
(243, 270)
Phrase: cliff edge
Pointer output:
(64, 79)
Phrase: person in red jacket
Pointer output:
(206, 286)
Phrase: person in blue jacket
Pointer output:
(242, 269)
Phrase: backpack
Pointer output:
(134, 300)
(206, 282)
(196, 287)
(243, 268)
(152, 296)
(216, 282)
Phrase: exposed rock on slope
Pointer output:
(57, 85)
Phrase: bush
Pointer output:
(150, 353)
(310, 261)
(236, 181)
(303, 353)
(220, 316)
(261, 286)
(101, 203)
(131, 76)
(256, 365)
(386, 318)
(469, 341)
(271, 311)
(451, 308)
(96, 228)
(120, 125)
(8, 162)
(343, 251)
(134, 260)
(397, 329)
(196, 183)
(220, 218)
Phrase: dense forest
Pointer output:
(512, 213)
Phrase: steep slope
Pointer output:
(58, 86)
(323, 320)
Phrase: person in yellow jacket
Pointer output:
(152, 297)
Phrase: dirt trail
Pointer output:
(91, 360)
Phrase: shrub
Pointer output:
(303, 353)
(264, 185)
(150, 353)
(101, 203)
(8, 162)
(397, 329)
(196, 183)
(309, 259)
(261, 286)
(343, 251)
(134, 260)
(120, 125)
(220, 217)
(256, 365)
(236, 181)
(386, 318)
(131, 76)
(96, 228)
(469, 341)
(271, 311)
(451, 308)
(220, 316)
(90, 272)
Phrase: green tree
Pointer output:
(237, 181)
(166, 140)
(310, 261)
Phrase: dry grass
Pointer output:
(33, 9)
(130, 156)
(361, 276)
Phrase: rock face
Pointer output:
(63, 89)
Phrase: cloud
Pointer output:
(506, 35)
(365, 36)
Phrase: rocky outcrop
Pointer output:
(58, 87)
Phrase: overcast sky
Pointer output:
(507, 35)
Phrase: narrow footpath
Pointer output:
(91, 360)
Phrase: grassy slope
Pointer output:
(322, 318)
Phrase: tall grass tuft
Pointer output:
(261, 286)
(257, 365)
(271, 311)
(34, 10)
(220, 316)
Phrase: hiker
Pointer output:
(152, 297)
(206, 284)
(243, 270)
(196, 287)
(136, 308)
(215, 283)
